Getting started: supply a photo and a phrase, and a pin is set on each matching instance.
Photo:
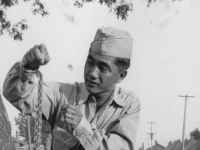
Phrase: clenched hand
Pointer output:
(72, 115)
(36, 56)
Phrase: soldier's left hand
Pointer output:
(72, 115)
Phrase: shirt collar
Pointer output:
(117, 97)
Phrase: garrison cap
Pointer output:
(113, 42)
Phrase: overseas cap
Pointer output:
(112, 42)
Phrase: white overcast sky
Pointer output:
(165, 60)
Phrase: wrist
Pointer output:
(29, 67)
(26, 73)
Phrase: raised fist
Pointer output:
(35, 57)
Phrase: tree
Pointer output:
(21, 123)
(120, 7)
(195, 133)
(5, 129)
(16, 30)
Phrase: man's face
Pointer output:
(101, 74)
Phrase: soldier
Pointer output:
(93, 115)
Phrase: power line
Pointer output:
(151, 134)
(183, 135)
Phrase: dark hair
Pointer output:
(122, 63)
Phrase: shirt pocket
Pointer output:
(65, 136)
(62, 132)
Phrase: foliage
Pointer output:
(16, 30)
(195, 133)
(5, 129)
(120, 7)
(149, 2)
(21, 122)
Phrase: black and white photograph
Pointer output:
(99, 75)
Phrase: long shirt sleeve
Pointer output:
(21, 90)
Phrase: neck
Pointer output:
(102, 97)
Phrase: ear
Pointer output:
(122, 75)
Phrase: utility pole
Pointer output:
(29, 132)
(151, 134)
(183, 135)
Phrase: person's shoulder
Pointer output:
(128, 97)
(130, 100)
(67, 85)
(62, 86)
(129, 93)
(79, 86)
(72, 86)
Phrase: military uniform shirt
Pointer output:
(112, 127)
